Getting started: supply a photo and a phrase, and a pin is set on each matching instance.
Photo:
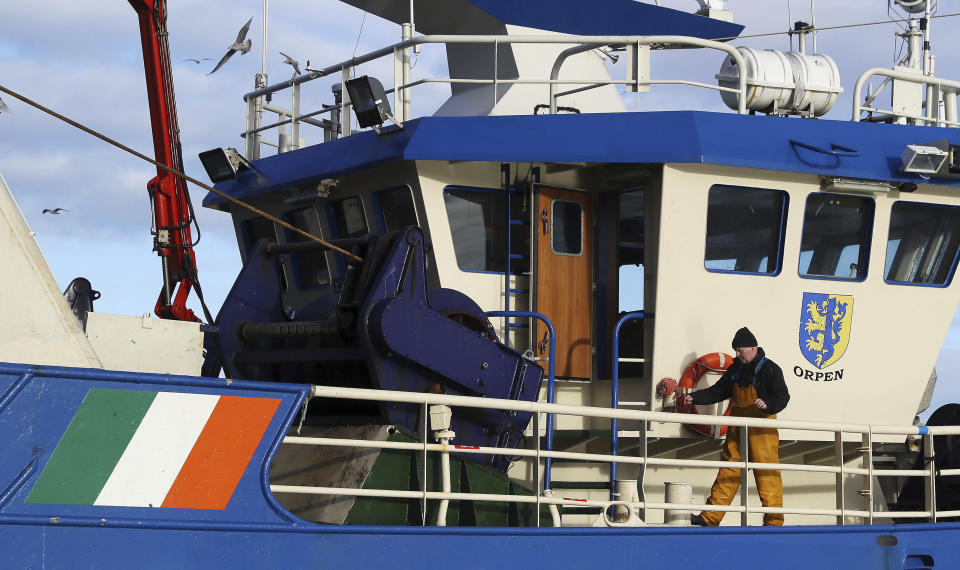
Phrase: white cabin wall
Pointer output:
(532, 62)
(484, 288)
(896, 330)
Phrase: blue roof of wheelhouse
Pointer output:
(773, 143)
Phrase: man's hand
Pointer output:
(686, 399)
(760, 404)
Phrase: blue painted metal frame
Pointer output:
(551, 383)
(615, 393)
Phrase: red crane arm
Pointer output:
(170, 200)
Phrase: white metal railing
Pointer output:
(638, 78)
(542, 496)
(937, 90)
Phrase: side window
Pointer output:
(349, 219)
(923, 244)
(310, 267)
(630, 250)
(745, 229)
(836, 237)
(254, 230)
(566, 229)
(395, 208)
(478, 224)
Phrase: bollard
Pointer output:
(679, 493)
(627, 492)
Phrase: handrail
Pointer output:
(551, 386)
(650, 40)
(615, 394)
(638, 415)
(953, 87)
(866, 513)
(402, 82)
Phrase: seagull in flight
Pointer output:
(195, 60)
(242, 45)
(289, 60)
(55, 211)
(3, 107)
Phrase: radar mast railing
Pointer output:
(403, 85)
(946, 88)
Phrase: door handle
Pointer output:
(542, 347)
(545, 220)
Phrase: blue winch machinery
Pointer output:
(380, 328)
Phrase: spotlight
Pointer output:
(921, 159)
(369, 102)
(222, 164)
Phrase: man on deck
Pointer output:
(756, 386)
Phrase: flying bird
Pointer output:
(242, 45)
(195, 60)
(3, 107)
(55, 211)
(289, 60)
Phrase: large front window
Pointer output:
(396, 208)
(923, 244)
(309, 267)
(836, 237)
(745, 228)
(478, 224)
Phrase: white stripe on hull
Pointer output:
(157, 451)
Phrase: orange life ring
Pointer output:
(717, 361)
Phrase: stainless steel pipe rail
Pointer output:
(402, 83)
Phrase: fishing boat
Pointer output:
(424, 359)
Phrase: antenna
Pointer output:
(263, 63)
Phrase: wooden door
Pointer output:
(563, 275)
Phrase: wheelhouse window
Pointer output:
(478, 224)
(836, 237)
(396, 209)
(349, 219)
(745, 229)
(923, 244)
(309, 267)
(630, 250)
(254, 230)
(566, 229)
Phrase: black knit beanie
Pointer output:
(744, 338)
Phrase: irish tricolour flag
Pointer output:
(154, 449)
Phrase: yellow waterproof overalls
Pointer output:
(763, 445)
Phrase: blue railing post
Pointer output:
(615, 393)
(551, 368)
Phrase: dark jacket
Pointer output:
(769, 384)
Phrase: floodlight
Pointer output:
(912, 6)
(369, 102)
(922, 159)
(222, 164)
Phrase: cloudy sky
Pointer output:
(83, 60)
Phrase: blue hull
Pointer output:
(72, 546)
(254, 531)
